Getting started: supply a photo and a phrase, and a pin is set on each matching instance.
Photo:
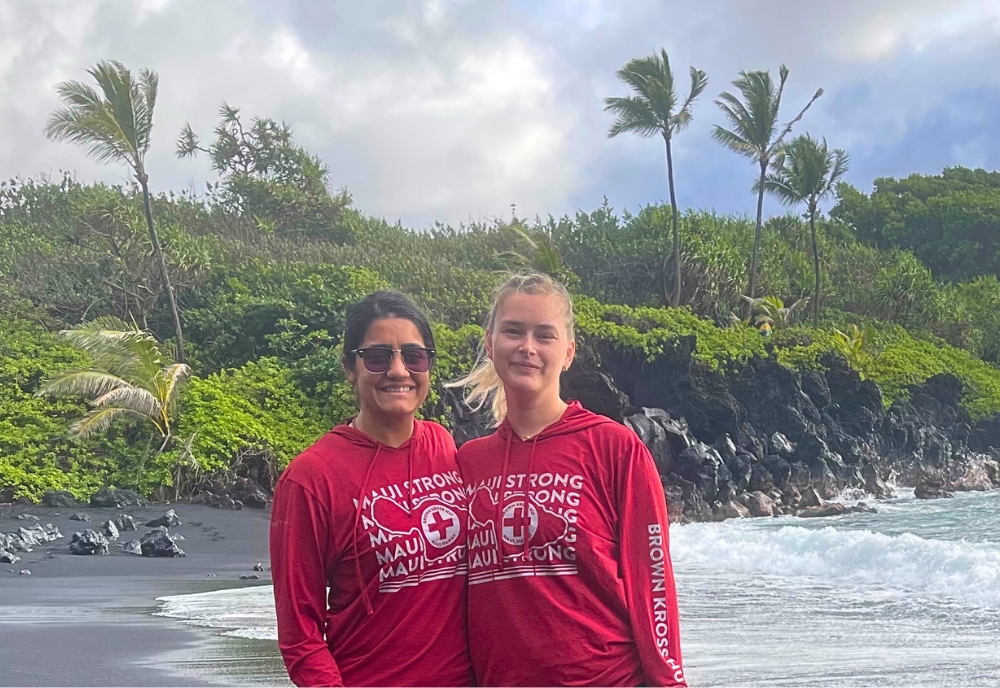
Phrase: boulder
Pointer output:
(217, 501)
(992, 468)
(60, 498)
(757, 504)
(874, 485)
(466, 424)
(830, 509)
(700, 464)
(27, 517)
(675, 501)
(779, 469)
(125, 522)
(7, 494)
(110, 498)
(596, 391)
(88, 542)
(809, 498)
(167, 520)
(8, 557)
(258, 566)
(79, 516)
(110, 530)
(730, 509)
(159, 543)
(130, 547)
(781, 445)
(930, 486)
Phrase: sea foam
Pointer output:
(963, 572)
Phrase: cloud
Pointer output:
(417, 117)
(453, 110)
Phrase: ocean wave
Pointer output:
(964, 572)
(245, 612)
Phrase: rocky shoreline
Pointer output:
(763, 441)
(770, 441)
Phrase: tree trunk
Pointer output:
(812, 231)
(155, 241)
(756, 236)
(675, 298)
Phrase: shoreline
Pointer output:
(89, 620)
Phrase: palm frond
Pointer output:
(172, 377)
(794, 120)
(699, 80)
(84, 382)
(99, 420)
(149, 86)
(633, 115)
(779, 185)
(91, 130)
(120, 95)
(112, 123)
(127, 352)
(735, 142)
(133, 398)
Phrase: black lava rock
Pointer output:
(159, 543)
(88, 542)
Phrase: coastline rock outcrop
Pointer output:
(768, 440)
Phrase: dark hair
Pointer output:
(376, 306)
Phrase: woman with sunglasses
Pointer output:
(375, 511)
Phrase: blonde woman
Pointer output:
(570, 580)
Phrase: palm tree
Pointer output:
(754, 125)
(130, 377)
(114, 125)
(653, 110)
(807, 171)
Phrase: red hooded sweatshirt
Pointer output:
(384, 529)
(588, 598)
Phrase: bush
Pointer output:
(36, 453)
(255, 407)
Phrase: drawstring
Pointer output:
(498, 519)
(525, 513)
(357, 538)
(409, 479)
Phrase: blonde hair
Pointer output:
(483, 384)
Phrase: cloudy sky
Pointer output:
(454, 110)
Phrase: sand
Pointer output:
(88, 620)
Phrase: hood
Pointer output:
(360, 439)
(574, 419)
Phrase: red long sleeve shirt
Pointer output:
(384, 529)
(588, 598)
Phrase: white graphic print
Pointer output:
(547, 513)
(441, 525)
(423, 543)
(514, 522)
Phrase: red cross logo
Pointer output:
(440, 525)
(516, 522)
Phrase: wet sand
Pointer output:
(88, 620)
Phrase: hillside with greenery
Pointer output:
(264, 265)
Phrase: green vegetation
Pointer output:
(264, 266)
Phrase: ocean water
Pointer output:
(906, 597)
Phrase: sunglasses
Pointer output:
(378, 359)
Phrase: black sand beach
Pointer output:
(87, 620)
